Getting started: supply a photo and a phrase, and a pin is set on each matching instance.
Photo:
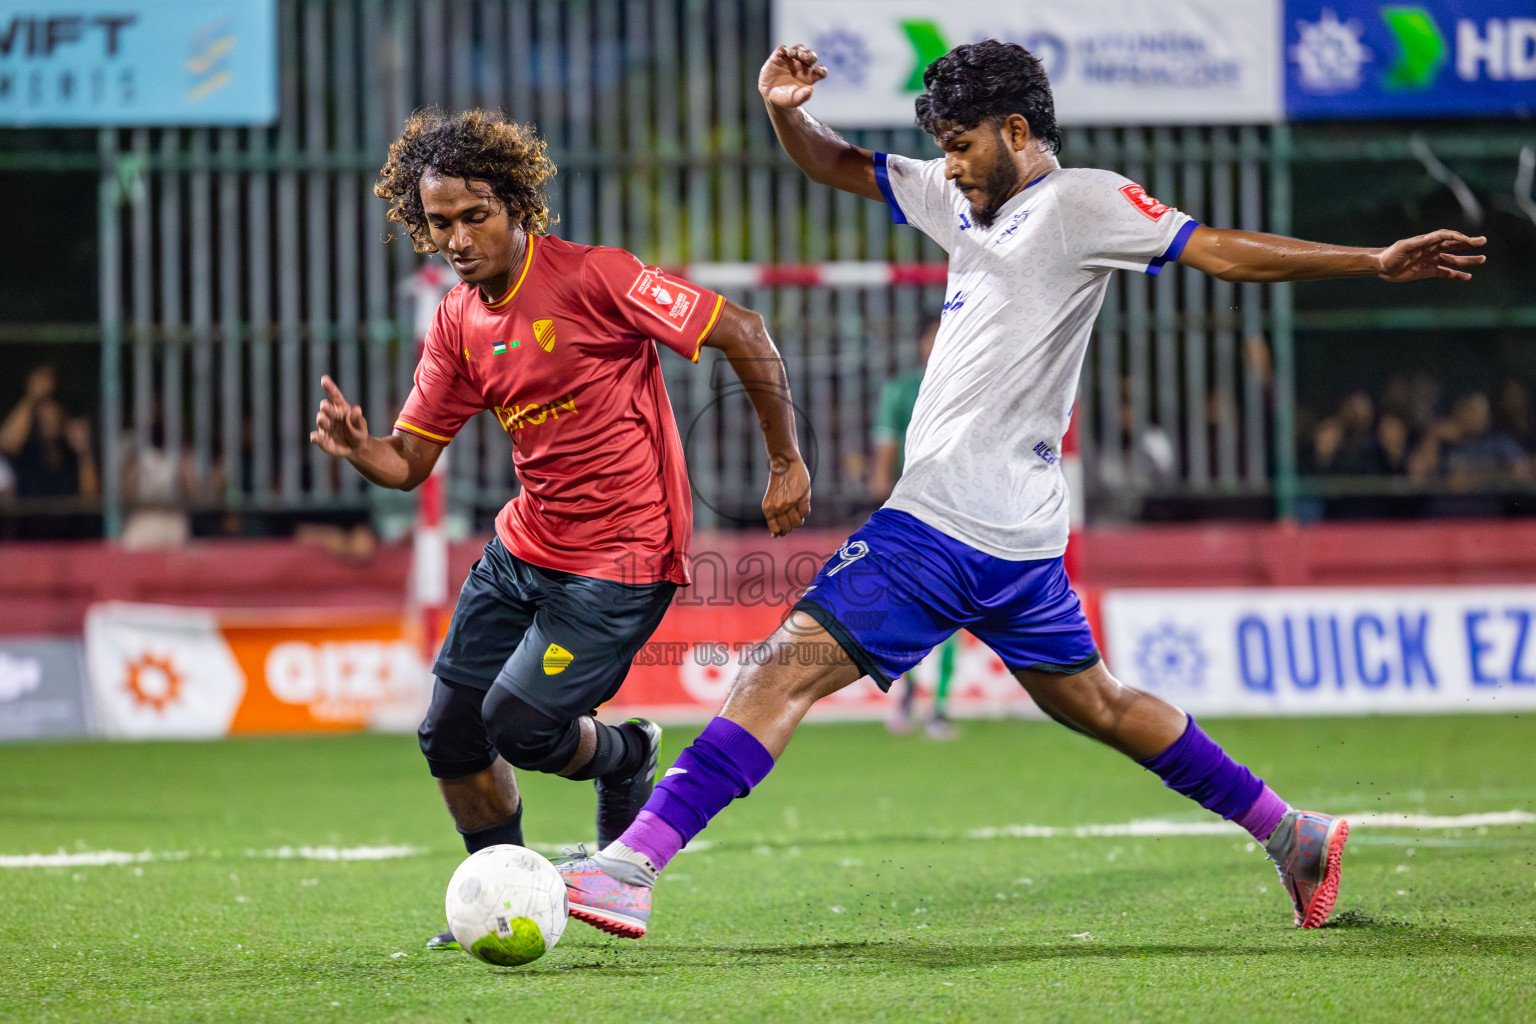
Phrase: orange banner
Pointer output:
(159, 671)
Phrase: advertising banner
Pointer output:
(1327, 651)
(42, 688)
(141, 62)
(1354, 59)
(166, 672)
(1109, 61)
(684, 673)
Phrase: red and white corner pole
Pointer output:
(1072, 471)
(429, 560)
(428, 597)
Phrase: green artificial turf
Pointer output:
(848, 887)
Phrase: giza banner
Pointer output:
(161, 672)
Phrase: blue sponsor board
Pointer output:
(140, 62)
(42, 688)
(1443, 58)
(1376, 650)
(1328, 651)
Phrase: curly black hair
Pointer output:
(984, 81)
(480, 146)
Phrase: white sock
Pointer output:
(617, 851)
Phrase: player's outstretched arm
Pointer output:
(743, 337)
(401, 461)
(786, 82)
(1251, 256)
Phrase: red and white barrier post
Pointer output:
(1072, 471)
(429, 560)
(428, 597)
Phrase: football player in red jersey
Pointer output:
(560, 341)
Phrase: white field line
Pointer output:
(1155, 828)
(334, 853)
(1148, 828)
(97, 858)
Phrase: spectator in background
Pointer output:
(153, 483)
(1515, 416)
(1466, 451)
(50, 452)
(1424, 395)
(1392, 436)
(894, 413)
(1353, 442)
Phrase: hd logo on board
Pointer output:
(1444, 57)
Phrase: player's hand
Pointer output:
(788, 501)
(1429, 256)
(789, 76)
(340, 426)
(77, 434)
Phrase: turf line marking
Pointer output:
(99, 858)
(333, 853)
(1156, 829)
(1146, 828)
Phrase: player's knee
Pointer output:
(525, 736)
(450, 736)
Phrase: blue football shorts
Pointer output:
(897, 588)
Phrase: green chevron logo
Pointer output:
(928, 45)
(1420, 49)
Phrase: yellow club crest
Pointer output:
(544, 334)
(556, 657)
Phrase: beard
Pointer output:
(998, 185)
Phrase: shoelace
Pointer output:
(568, 855)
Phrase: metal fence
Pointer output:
(238, 265)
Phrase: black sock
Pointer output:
(509, 831)
(619, 752)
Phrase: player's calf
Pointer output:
(620, 796)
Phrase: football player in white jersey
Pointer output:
(974, 533)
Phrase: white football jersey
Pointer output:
(983, 448)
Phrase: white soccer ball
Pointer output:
(507, 905)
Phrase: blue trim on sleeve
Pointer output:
(1175, 247)
(883, 179)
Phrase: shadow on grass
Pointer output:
(1387, 940)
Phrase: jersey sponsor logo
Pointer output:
(1013, 227)
(544, 334)
(954, 302)
(668, 300)
(965, 223)
(556, 658)
(1149, 207)
(675, 770)
(1047, 453)
(515, 417)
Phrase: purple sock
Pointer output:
(1196, 766)
(724, 763)
(653, 837)
(1260, 819)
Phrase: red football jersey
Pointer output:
(567, 362)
